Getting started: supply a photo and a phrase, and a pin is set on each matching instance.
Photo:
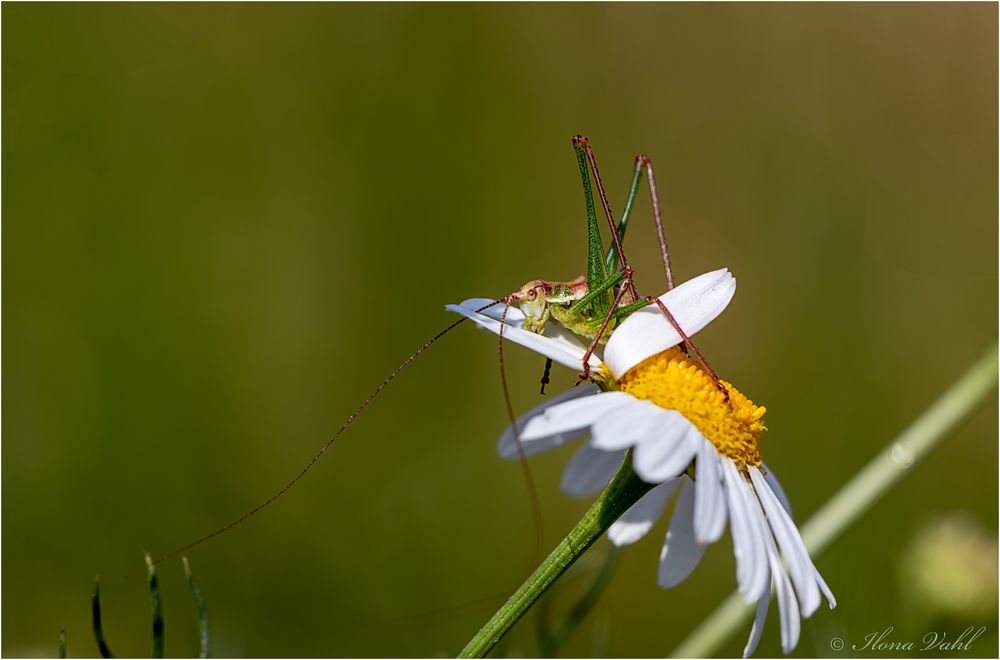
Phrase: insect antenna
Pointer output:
(322, 450)
(536, 507)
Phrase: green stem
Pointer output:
(861, 492)
(624, 491)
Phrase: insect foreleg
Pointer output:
(623, 312)
(545, 374)
(585, 374)
(593, 292)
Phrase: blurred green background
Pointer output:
(225, 224)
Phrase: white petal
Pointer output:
(693, 304)
(628, 425)
(779, 492)
(758, 625)
(669, 450)
(590, 470)
(776, 488)
(515, 317)
(507, 447)
(558, 346)
(751, 556)
(788, 607)
(680, 553)
(710, 503)
(830, 599)
(792, 549)
(573, 343)
(576, 414)
(639, 519)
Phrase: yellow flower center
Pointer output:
(674, 381)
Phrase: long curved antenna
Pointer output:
(536, 508)
(312, 461)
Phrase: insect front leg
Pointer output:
(545, 374)
(585, 374)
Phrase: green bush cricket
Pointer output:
(590, 306)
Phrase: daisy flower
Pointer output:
(650, 398)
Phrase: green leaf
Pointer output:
(95, 609)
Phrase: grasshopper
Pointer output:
(590, 306)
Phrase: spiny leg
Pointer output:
(585, 374)
(584, 143)
(642, 161)
(690, 346)
(617, 233)
(616, 253)
(643, 164)
(583, 303)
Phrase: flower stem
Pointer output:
(861, 492)
(623, 491)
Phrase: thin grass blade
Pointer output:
(95, 609)
(205, 639)
(154, 593)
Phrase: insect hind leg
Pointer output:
(691, 347)
(646, 164)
